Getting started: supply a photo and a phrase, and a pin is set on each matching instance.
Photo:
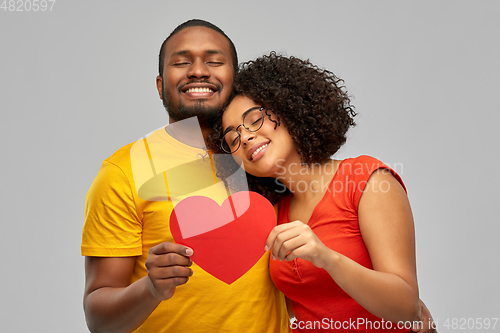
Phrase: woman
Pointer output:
(344, 247)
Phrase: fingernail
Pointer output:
(189, 252)
(266, 248)
(274, 257)
(191, 273)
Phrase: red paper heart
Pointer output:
(226, 249)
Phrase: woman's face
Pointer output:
(266, 152)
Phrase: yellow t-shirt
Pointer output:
(119, 222)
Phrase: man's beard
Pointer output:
(207, 116)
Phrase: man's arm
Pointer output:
(112, 304)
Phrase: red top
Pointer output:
(315, 295)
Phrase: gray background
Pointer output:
(77, 83)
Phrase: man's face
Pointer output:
(197, 75)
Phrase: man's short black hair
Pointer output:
(197, 23)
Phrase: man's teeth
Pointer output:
(199, 90)
(259, 149)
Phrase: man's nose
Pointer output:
(198, 69)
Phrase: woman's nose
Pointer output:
(246, 135)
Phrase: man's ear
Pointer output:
(159, 85)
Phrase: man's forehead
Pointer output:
(197, 39)
(187, 52)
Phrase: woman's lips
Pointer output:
(256, 149)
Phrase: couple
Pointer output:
(355, 257)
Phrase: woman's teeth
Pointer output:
(259, 149)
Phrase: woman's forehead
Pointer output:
(237, 107)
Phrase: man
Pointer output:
(126, 227)
(137, 276)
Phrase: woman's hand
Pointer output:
(296, 240)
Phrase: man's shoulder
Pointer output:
(121, 157)
(121, 154)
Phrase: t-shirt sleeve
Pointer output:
(112, 226)
(360, 171)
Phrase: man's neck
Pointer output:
(189, 132)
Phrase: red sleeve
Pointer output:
(356, 172)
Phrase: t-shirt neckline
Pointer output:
(289, 197)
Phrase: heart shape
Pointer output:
(227, 240)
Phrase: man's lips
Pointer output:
(199, 88)
(256, 149)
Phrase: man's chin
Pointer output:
(207, 116)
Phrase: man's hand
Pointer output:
(168, 267)
(426, 319)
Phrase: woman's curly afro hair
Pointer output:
(310, 102)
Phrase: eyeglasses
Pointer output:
(252, 121)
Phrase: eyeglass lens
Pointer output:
(252, 122)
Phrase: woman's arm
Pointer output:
(390, 290)
(386, 225)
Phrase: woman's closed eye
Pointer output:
(257, 121)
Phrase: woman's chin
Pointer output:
(261, 171)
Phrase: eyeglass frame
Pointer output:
(260, 108)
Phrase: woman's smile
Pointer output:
(268, 145)
(257, 151)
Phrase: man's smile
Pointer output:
(197, 90)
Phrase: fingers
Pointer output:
(286, 242)
(297, 240)
(171, 272)
(168, 259)
(428, 324)
(276, 231)
(418, 319)
(168, 247)
(168, 267)
(287, 238)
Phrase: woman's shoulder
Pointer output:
(362, 167)
(359, 165)
(361, 159)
